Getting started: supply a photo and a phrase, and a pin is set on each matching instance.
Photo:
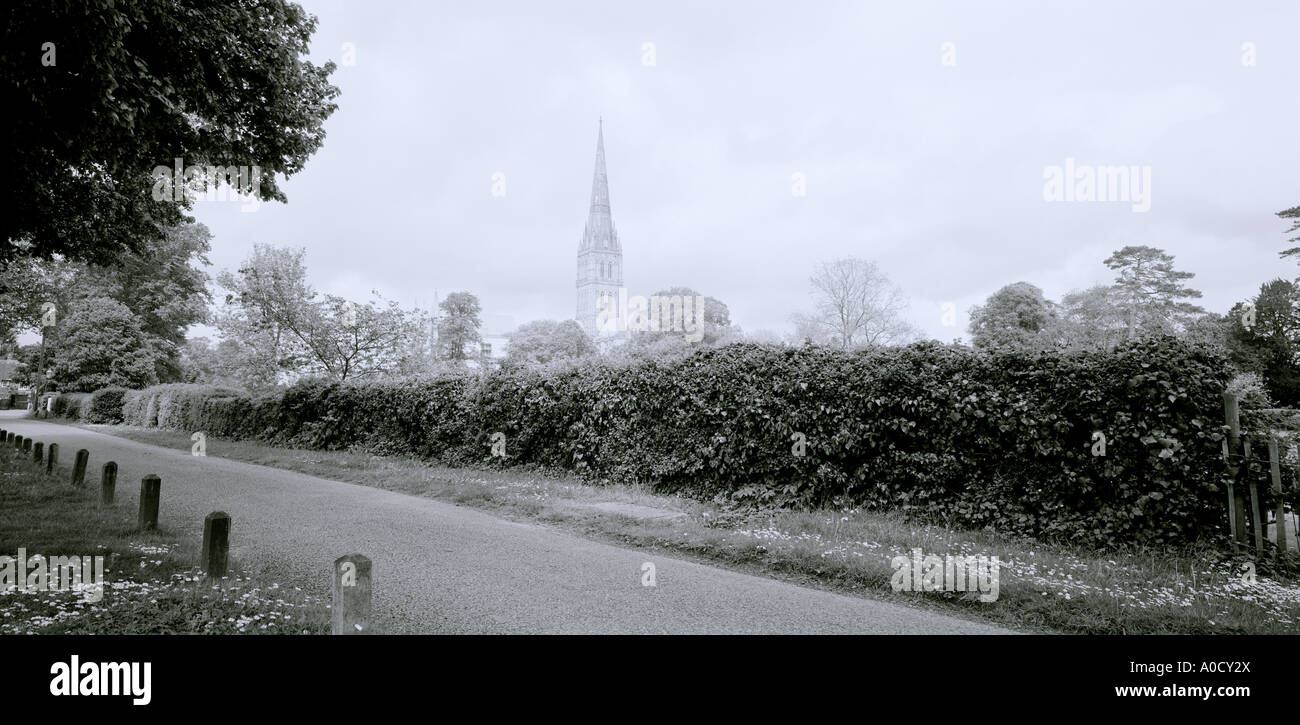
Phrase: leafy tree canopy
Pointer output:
(98, 93)
(544, 341)
(100, 343)
(1017, 316)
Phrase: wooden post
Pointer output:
(352, 583)
(52, 458)
(1230, 414)
(150, 490)
(37, 452)
(27, 446)
(107, 483)
(79, 467)
(1254, 496)
(216, 543)
(1275, 472)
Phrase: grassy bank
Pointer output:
(151, 583)
(1042, 588)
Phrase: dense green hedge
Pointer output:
(106, 405)
(74, 406)
(943, 433)
(173, 405)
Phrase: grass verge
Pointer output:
(1042, 588)
(150, 582)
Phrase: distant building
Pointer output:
(600, 256)
(492, 348)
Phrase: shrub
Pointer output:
(1251, 390)
(75, 406)
(106, 405)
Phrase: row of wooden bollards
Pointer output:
(50, 458)
(352, 573)
(149, 487)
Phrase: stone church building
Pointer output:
(600, 256)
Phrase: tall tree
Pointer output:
(351, 341)
(274, 317)
(1092, 318)
(267, 300)
(163, 285)
(1292, 214)
(1015, 316)
(98, 93)
(1151, 291)
(100, 344)
(857, 305)
(543, 341)
(458, 327)
(28, 283)
(1265, 338)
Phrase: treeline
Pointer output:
(1149, 298)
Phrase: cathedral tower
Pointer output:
(600, 257)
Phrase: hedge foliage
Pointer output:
(106, 405)
(173, 405)
(74, 406)
(942, 433)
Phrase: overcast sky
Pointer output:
(933, 169)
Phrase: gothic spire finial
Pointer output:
(600, 233)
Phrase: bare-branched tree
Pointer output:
(856, 306)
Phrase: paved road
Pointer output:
(441, 568)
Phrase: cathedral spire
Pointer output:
(600, 257)
(600, 232)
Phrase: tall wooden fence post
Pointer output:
(1275, 473)
(352, 582)
(79, 467)
(108, 483)
(1231, 416)
(1254, 498)
(52, 458)
(27, 446)
(150, 489)
(37, 453)
(216, 544)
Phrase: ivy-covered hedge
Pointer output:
(947, 434)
